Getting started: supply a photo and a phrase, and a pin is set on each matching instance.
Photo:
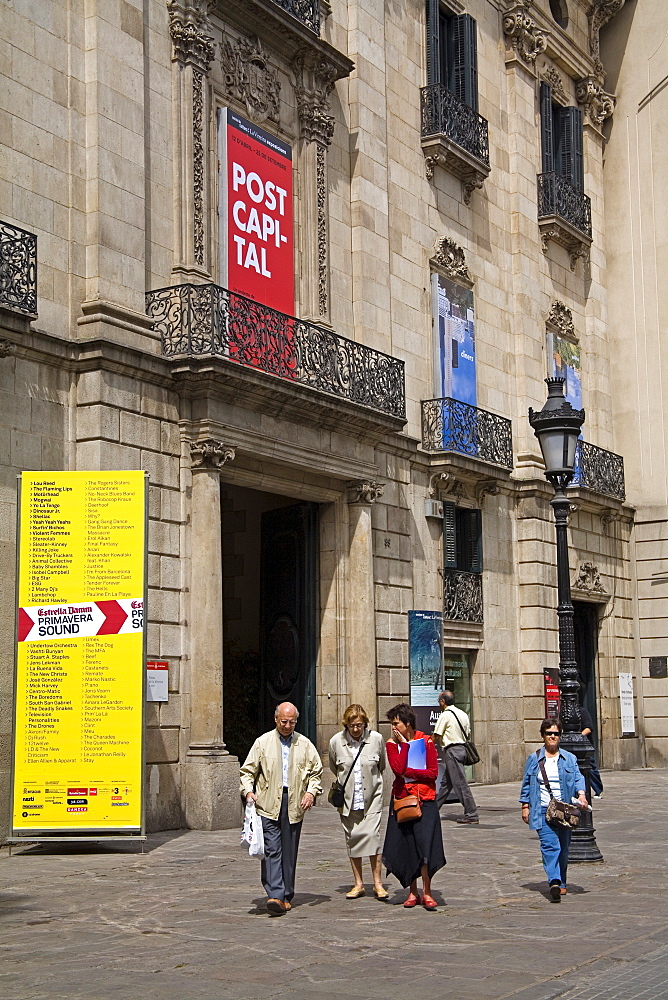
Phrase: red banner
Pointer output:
(257, 258)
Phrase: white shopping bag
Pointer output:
(252, 832)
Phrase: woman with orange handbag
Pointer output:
(413, 841)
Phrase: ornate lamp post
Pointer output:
(557, 427)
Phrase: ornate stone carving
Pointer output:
(189, 27)
(198, 167)
(588, 579)
(323, 250)
(434, 481)
(471, 180)
(486, 488)
(315, 76)
(552, 77)
(599, 13)
(449, 256)
(561, 319)
(210, 454)
(576, 248)
(608, 517)
(364, 491)
(6, 348)
(597, 105)
(527, 40)
(250, 79)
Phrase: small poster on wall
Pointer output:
(626, 704)
(552, 693)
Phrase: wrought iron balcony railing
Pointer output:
(18, 269)
(206, 319)
(450, 425)
(462, 596)
(557, 196)
(444, 114)
(599, 470)
(306, 11)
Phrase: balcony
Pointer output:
(564, 215)
(306, 11)
(599, 470)
(462, 596)
(18, 270)
(210, 321)
(454, 136)
(449, 425)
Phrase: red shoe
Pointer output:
(412, 901)
(428, 902)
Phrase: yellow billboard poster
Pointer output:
(79, 679)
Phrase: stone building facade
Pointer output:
(315, 477)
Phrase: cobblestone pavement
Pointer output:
(185, 920)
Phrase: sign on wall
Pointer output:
(456, 377)
(565, 362)
(255, 184)
(425, 651)
(77, 755)
(626, 704)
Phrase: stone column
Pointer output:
(211, 773)
(362, 680)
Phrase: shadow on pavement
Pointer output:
(300, 899)
(96, 846)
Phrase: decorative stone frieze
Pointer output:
(449, 257)
(608, 517)
(552, 77)
(486, 488)
(6, 348)
(249, 77)
(364, 491)
(434, 483)
(315, 76)
(210, 454)
(596, 104)
(599, 13)
(588, 579)
(190, 27)
(560, 319)
(526, 38)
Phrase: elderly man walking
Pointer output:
(451, 729)
(282, 776)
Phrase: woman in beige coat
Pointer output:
(363, 795)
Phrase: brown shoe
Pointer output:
(276, 907)
(288, 906)
(468, 821)
(563, 890)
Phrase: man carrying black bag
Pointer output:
(451, 731)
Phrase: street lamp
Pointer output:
(557, 427)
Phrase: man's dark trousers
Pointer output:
(281, 843)
(454, 777)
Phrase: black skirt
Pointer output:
(409, 846)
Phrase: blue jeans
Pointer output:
(554, 844)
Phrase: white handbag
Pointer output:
(252, 832)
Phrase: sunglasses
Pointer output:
(552, 733)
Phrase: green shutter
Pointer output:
(474, 541)
(463, 59)
(449, 536)
(433, 42)
(546, 133)
(570, 150)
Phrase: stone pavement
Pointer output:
(185, 920)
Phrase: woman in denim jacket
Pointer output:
(566, 783)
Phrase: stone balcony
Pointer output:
(258, 348)
(448, 425)
(454, 136)
(564, 216)
(599, 470)
(18, 271)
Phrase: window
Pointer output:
(462, 538)
(452, 57)
(561, 139)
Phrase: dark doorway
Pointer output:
(269, 548)
(585, 622)
(288, 612)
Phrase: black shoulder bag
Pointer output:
(336, 796)
(472, 755)
(558, 813)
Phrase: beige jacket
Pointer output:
(262, 773)
(372, 761)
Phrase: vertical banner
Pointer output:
(552, 692)
(77, 755)
(425, 651)
(626, 704)
(255, 186)
(456, 338)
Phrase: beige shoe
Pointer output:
(381, 893)
(356, 892)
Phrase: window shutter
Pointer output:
(571, 155)
(463, 59)
(433, 42)
(546, 135)
(449, 536)
(474, 541)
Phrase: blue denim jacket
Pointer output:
(570, 780)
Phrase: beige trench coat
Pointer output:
(262, 773)
(372, 760)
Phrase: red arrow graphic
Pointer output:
(25, 625)
(115, 617)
